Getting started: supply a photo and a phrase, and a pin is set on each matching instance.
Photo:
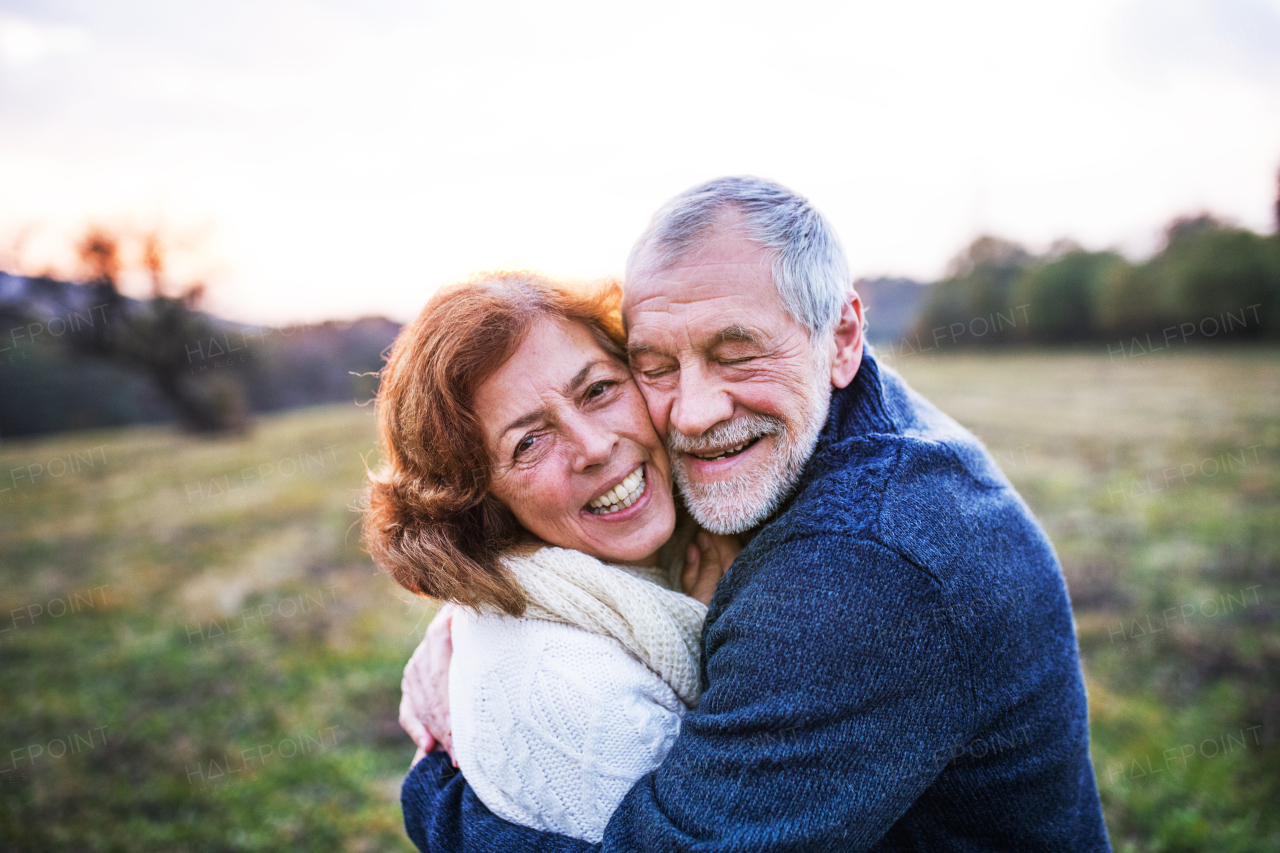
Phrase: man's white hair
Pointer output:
(809, 266)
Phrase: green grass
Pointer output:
(241, 651)
(200, 625)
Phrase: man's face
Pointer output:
(734, 385)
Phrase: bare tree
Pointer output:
(154, 336)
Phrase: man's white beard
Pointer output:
(739, 504)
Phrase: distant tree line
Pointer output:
(80, 356)
(1210, 281)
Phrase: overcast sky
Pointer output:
(344, 157)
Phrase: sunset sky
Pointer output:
(339, 158)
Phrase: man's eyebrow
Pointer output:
(736, 334)
(637, 350)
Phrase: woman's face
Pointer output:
(574, 454)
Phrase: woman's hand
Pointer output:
(706, 561)
(424, 690)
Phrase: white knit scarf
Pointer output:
(660, 626)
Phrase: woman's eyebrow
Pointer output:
(524, 421)
(569, 389)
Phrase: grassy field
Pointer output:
(196, 655)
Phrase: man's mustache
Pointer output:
(729, 434)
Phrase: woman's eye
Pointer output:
(523, 445)
(599, 388)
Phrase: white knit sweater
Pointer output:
(557, 713)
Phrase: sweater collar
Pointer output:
(862, 407)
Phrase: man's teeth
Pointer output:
(720, 454)
(622, 495)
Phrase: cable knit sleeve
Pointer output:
(553, 724)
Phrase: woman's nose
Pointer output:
(595, 444)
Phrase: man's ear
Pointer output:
(846, 355)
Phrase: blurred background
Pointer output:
(214, 218)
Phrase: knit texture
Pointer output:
(660, 626)
(557, 713)
(889, 665)
(552, 725)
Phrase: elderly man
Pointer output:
(890, 664)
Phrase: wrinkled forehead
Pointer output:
(725, 270)
(670, 314)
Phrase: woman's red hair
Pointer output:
(429, 520)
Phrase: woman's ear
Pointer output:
(846, 355)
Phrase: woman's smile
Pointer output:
(621, 496)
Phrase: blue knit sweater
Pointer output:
(890, 664)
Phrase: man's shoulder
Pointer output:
(912, 510)
(886, 448)
(897, 489)
(894, 487)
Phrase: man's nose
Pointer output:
(701, 401)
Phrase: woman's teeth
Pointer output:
(622, 495)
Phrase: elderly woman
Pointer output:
(524, 482)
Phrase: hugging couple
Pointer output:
(714, 578)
